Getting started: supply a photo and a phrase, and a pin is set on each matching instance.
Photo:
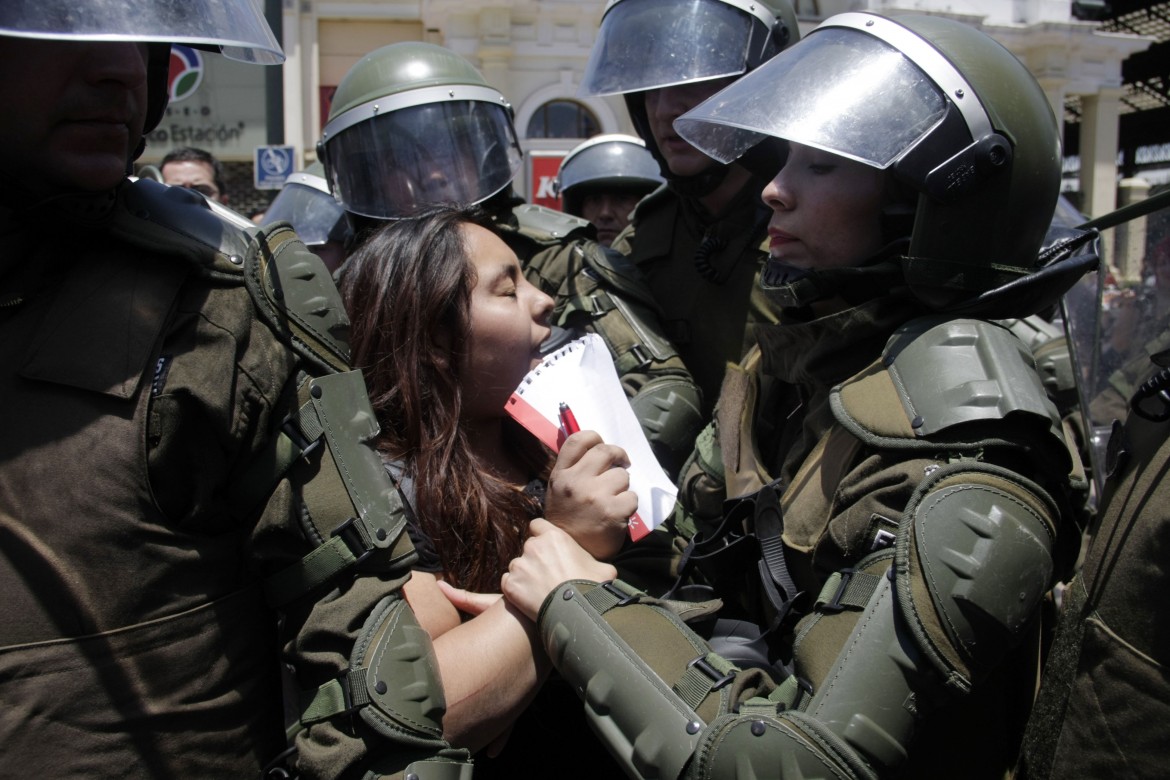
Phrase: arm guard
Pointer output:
(355, 518)
(327, 525)
(662, 703)
(886, 643)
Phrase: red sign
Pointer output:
(544, 173)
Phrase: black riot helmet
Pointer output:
(651, 44)
(236, 28)
(950, 113)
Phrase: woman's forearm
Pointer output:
(491, 667)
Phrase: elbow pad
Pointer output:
(972, 562)
(670, 411)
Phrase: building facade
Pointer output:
(534, 51)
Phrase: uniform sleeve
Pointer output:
(363, 694)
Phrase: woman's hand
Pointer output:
(589, 493)
(550, 558)
(468, 601)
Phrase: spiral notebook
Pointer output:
(581, 374)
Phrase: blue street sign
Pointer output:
(273, 164)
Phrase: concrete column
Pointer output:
(1129, 239)
(1054, 89)
(311, 82)
(1099, 142)
(294, 110)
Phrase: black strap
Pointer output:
(750, 536)
(773, 566)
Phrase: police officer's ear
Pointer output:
(766, 158)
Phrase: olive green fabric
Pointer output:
(598, 290)
(792, 373)
(1104, 700)
(710, 298)
(140, 382)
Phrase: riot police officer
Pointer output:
(306, 203)
(1104, 695)
(900, 492)
(699, 242)
(186, 487)
(602, 179)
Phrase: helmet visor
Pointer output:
(839, 90)
(658, 43)
(456, 152)
(236, 27)
(314, 214)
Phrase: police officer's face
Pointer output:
(609, 212)
(509, 321)
(826, 210)
(667, 104)
(73, 113)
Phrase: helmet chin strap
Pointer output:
(700, 184)
(790, 287)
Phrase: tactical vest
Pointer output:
(949, 403)
(914, 545)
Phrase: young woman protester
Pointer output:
(444, 327)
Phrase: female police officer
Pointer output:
(904, 482)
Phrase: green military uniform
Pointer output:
(598, 290)
(180, 437)
(1105, 697)
(854, 472)
(791, 372)
(887, 493)
(703, 273)
(543, 239)
(701, 267)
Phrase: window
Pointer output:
(563, 119)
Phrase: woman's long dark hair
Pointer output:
(407, 289)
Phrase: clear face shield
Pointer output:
(647, 44)
(389, 164)
(838, 89)
(235, 27)
(305, 202)
(1118, 324)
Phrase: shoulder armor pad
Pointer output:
(936, 374)
(295, 293)
(617, 272)
(176, 221)
(545, 225)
